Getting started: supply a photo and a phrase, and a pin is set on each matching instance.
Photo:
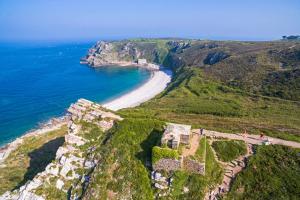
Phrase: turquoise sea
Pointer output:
(39, 81)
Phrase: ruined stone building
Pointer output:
(176, 134)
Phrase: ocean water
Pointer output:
(39, 81)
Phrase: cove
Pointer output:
(39, 81)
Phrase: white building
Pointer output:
(142, 61)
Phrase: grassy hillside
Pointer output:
(251, 66)
(192, 98)
(124, 157)
(272, 173)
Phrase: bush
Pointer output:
(272, 173)
(159, 153)
(229, 150)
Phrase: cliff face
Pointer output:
(106, 53)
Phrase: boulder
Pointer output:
(52, 169)
(74, 139)
(59, 184)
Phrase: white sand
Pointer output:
(155, 85)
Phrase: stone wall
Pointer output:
(194, 166)
(167, 164)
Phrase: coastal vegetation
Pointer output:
(125, 156)
(159, 153)
(193, 98)
(228, 150)
(272, 173)
(30, 158)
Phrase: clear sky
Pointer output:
(113, 19)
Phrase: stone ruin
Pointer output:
(193, 166)
(169, 165)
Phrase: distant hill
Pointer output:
(251, 66)
(291, 37)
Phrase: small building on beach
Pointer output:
(175, 134)
(142, 61)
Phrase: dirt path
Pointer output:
(252, 139)
(193, 147)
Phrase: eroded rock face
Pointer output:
(214, 57)
(74, 139)
(104, 53)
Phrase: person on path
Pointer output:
(261, 136)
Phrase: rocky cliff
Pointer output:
(68, 174)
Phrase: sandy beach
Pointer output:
(156, 84)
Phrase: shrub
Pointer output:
(272, 173)
(229, 150)
(159, 153)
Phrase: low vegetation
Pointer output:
(201, 151)
(29, 159)
(228, 150)
(195, 99)
(272, 173)
(159, 153)
(125, 156)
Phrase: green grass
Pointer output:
(228, 150)
(123, 155)
(28, 159)
(160, 153)
(201, 151)
(192, 98)
(272, 173)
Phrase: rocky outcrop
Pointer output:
(119, 53)
(215, 57)
(74, 160)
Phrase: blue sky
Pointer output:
(112, 19)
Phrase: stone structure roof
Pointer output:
(174, 132)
